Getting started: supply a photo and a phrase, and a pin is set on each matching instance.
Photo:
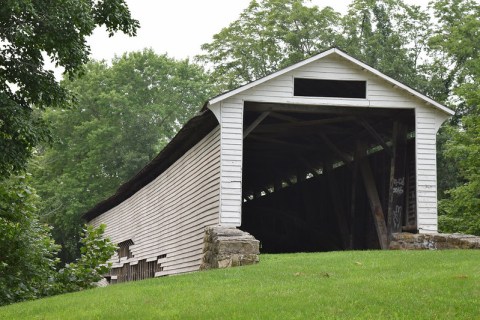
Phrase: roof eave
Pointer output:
(321, 55)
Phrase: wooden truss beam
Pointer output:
(345, 158)
(376, 136)
(373, 197)
(255, 123)
(308, 165)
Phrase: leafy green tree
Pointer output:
(127, 112)
(28, 254)
(269, 35)
(27, 251)
(30, 30)
(451, 48)
(456, 44)
(460, 209)
(448, 172)
(454, 47)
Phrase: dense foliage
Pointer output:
(29, 31)
(391, 36)
(28, 260)
(268, 36)
(91, 266)
(272, 34)
(459, 42)
(126, 113)
(27, 252)
(460, 209)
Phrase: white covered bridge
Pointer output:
(327, 154)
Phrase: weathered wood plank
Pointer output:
(373, 198)
(172, 211)
(343, 156)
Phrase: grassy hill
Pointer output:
(335, 285)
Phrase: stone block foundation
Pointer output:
(228, 247)
(410, 241)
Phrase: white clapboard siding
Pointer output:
(379, 93)
(231, 119)
(426, 166)
(169, 215)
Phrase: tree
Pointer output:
(456, 43)
(90, 268)
(451, 48)
(126, 113)
(268, 36)
(30, 30)
(27, 252)
(28, 255)
(460, 209)
(454, 46)
(391, 36)
(272, 34)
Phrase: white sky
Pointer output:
(180, 27)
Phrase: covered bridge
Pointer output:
(327, 154)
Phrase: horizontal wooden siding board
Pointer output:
(169, 215)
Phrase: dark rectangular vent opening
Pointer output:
(330, 88)
(124, 249)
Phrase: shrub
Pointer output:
(91, 265)
(28, 254)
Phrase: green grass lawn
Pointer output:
(335, 285)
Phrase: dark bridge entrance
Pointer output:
(327, 178)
